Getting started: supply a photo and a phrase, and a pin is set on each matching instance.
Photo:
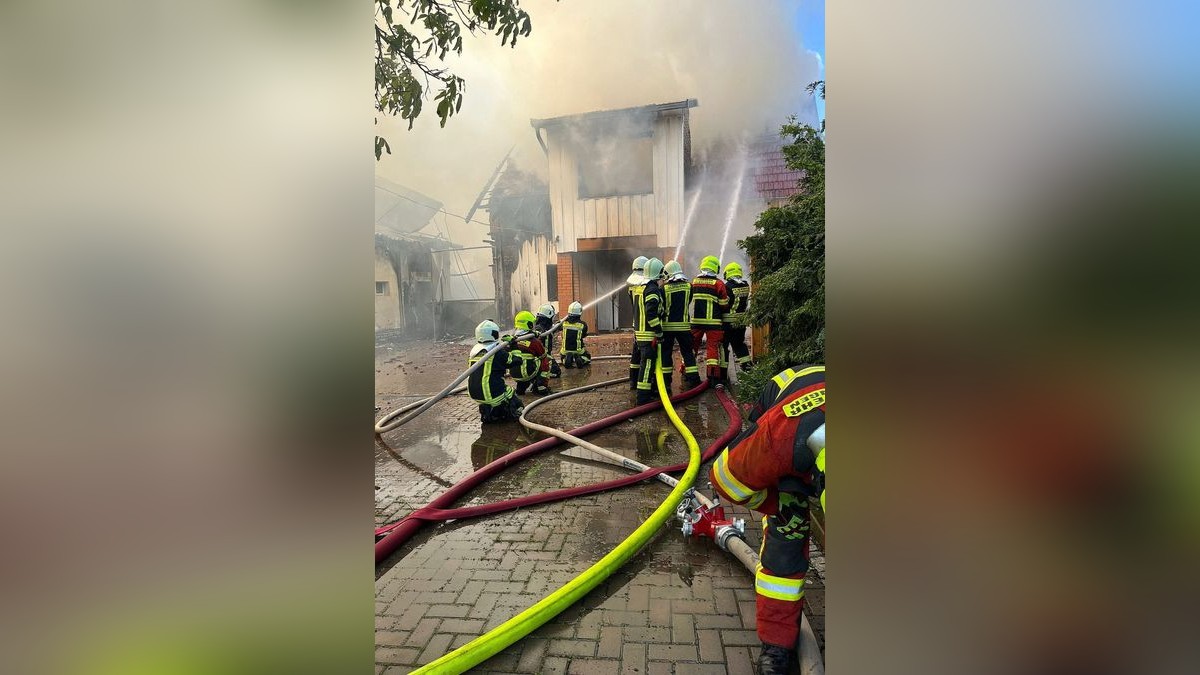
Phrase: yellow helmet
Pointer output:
(524, 320)
(733, 270)
(710, 264)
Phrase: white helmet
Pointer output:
(546, 310)
(575, 308)
(639, 263)
(487, 331)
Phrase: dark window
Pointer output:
(551, 283)
(381, 288)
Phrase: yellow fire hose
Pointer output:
(485, 646)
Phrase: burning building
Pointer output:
(616, 183)
(619, 184)
(615, 190)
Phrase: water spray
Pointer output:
(733, 205)
(687, 221)
(592, 303)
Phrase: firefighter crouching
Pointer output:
(734, 321)
(574, 329)
(544, 322)
(647, 329)
(530, 365)
(709, 302)
(633, 286)
(773, 467)
(676, 326)
(497, 401)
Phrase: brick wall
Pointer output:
(566, 282)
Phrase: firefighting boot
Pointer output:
(644, 397)
(692, 380)
(540, 386)
(773, 660)
(667, 382)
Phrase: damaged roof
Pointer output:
(401, 210)
(651, 110)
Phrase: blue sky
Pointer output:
(810, 28)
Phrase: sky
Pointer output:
(810, 28)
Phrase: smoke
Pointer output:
(747, 67)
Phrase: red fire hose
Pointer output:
(399, 533)
(431, 514)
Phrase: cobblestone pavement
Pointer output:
(678, 606)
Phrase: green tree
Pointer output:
(413, 36)
(788, 254)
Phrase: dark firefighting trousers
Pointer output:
(735, 339)
(687, 352)
(635, 364)
(779, 580)
(504, 411)
(646, 363)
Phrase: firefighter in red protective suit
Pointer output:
(710, 300)
(772, 467)
(530, 364)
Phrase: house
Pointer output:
(403, 258)
(774, 181)
(616, 181)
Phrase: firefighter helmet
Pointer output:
(733, 270)
(654, 268)
(487, 331)
(639, 263)
(672, 268)
(524, 320)
(575, 309)
(710, 264)
(546, 310)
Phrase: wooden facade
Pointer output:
(658, 213)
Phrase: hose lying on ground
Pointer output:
(432, 514)
(406, 528)
(483, 647)
(385, 424)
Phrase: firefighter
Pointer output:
(543, 323)
(575, 329)
(647, 329)
(633, 286)
(530, 366)
(497, 401)
(677, 297)
(709, 302)
(773, 467)
(734, 321)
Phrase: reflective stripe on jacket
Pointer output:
(487, 384)
(647, 314)
(709, 301)
(739, 300)
(573, 334)
(678, 298)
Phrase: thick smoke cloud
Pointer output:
(744, 63)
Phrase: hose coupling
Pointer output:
(735, 528)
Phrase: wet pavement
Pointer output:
(678, 606)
